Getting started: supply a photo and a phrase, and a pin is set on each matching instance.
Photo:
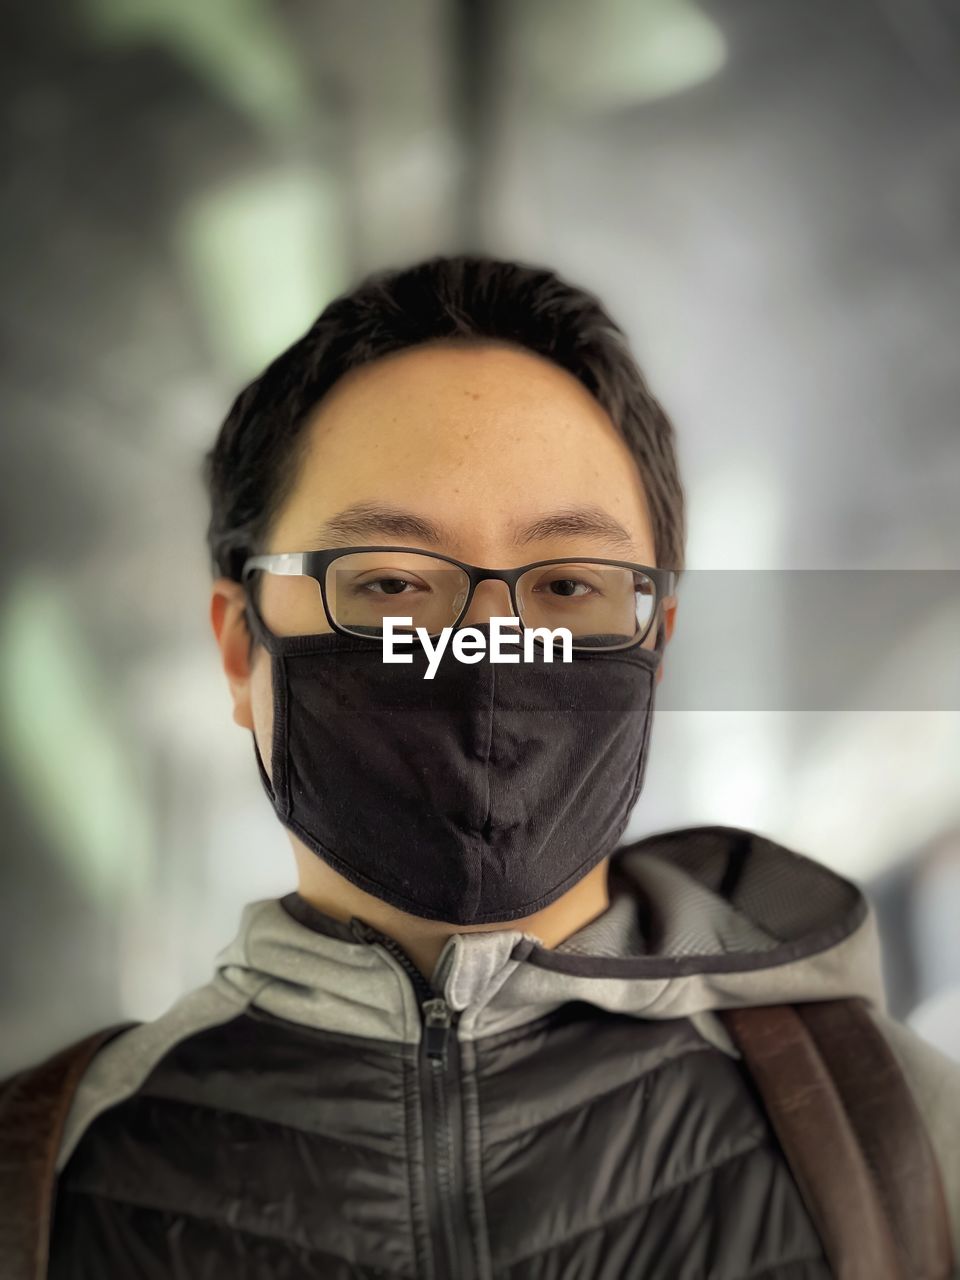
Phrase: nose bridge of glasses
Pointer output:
(491, 598)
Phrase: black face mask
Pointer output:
(479, 796)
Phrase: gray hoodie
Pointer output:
(699, 920)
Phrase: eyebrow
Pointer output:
(371, 519)
(581, 522)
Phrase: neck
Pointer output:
(423, 940)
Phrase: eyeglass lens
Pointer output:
(602, 606)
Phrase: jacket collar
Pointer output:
(699, 919)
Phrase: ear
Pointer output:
(233, 636)
(669, 607)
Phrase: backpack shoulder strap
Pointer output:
(852, 1135)
(33, 1108)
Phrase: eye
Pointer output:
(388, 586)
(567, 582)
(567, 587)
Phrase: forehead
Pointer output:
(455, 389)
(480, 433)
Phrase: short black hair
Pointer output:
(253, 464)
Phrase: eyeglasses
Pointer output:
(605, 604)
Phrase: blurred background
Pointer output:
(764, 192)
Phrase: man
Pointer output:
(481, 1039)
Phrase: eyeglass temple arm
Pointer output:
(286, 562)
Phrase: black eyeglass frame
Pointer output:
(315, 564)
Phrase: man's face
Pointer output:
(486, 453)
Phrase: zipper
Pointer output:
(440, 1077)
(441, 1110)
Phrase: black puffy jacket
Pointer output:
(320, 1110)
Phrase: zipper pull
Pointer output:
(362, 931)
(436, 1028)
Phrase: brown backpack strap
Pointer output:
(33, 1109)
(853, 1137)
(890, 1128)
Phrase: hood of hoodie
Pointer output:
(699, 919)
